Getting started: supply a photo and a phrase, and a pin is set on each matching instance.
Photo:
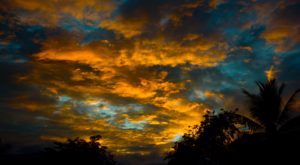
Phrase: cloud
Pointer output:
(135, 18)
(143, 53)
(283, 26)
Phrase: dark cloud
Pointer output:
(18, 42)
(283, 26)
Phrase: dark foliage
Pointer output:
(267, 106)
(79, 151)
(4, 148)
(73, 151)
(261, 149)
(208, 143)
(230, 138)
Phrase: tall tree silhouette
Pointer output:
(79, 151)
(267, 106)
(276, 145)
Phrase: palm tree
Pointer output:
(267, 106)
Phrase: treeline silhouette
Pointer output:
(73, 151)
(269, 135)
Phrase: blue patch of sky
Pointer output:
(231, 35)
(177, 137)
(289, 67)
(110, 114)
(34, 29)
(291, 52)
(97, 35)
(235, 36)
(63, 99)
(260, 57)
(251, 35)
(91, 31)
(236, 70)
(9, 53)
(229, 14)
(197, 94)
(105, 110)
(70, 23)
(26, 41)
(135, 107)
(136, 125)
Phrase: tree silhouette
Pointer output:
(4, 147)
(230, 138)
(79, 151)
(208, 142)
(267, 106)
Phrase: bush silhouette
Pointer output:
(79, 151)
(208, 143)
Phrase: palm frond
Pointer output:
(255, 109)
(265, 106)
(243, 120)
(281, 88)
(261, 86)
(247, 93)
(288, 107)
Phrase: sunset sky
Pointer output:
(138, 72)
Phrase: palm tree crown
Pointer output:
(267, 106)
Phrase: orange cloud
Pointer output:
(124, 27)
(96, 74)
(145, 53)
(127, 90)
(53, 138)
(82, 56)
(280, 35)
(214, 95)
(283, 25)
(276, 35)
(271, 73)
(136, 75)
(122, 71)
(151, 89)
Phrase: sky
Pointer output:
(138, 72)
